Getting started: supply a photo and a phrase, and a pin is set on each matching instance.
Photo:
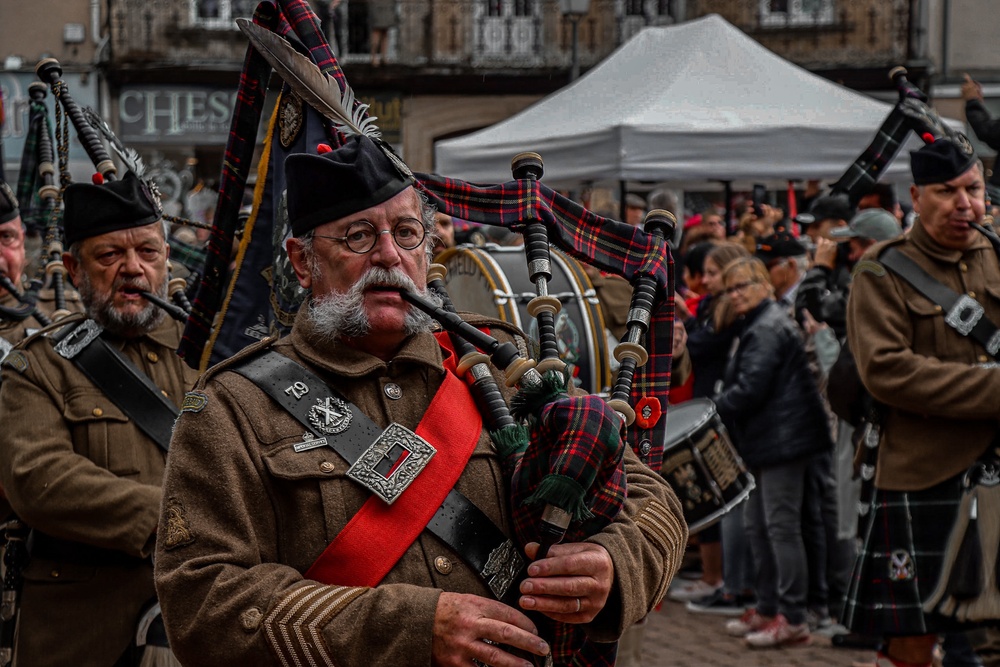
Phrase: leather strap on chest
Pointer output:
(118, 378)
(429, 502)
(962, 313)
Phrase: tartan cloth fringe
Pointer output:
(564, 492)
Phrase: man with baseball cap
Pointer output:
(786, 259)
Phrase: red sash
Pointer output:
(377, 536)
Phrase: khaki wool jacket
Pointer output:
(15, 331)
(244, 516)
(76, 469)
(941, 389)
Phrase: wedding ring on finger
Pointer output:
(579, 605)
(480, 663)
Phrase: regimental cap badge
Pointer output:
(330, 416)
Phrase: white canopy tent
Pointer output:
(685, 104)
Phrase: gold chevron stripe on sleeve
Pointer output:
(294, 628)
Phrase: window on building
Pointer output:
(220, 13)
(635, 8)
(796, 12)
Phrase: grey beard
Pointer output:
(101, 308)
(340, 315)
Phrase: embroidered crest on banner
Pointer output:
(330, 415)
(194, 401)
(289, 119)
(900, 566)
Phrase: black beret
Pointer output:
(779, 245)
(327, 187)
(92, 210)
(943, 159)
(8, 204)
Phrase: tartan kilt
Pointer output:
(903, 543)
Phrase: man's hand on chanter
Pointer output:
(571, 584)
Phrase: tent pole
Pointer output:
(728, 194)
(622, 193)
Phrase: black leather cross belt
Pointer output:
(349, 432)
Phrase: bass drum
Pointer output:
(493, 281)
(702, 465)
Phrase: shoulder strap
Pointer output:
(963, 313)
(124, 384)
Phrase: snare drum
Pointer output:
(493, 281)
(701, 464)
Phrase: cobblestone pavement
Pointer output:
(676, 638)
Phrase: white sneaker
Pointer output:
(749, 622)
(692, 590)
(779, 633)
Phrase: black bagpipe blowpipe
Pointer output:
(174, 311)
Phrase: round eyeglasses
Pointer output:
(361, 236)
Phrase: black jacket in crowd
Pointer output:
(769, 401)
(707, 348)
(823, 292)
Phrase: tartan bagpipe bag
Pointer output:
(968, 589)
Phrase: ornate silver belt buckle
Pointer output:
(370, 469)
(78, 339)
(964, 315)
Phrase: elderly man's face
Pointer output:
(12, 250)
(946, 209)
(337, 268)
(113, 268)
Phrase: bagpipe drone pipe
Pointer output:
(92, 131)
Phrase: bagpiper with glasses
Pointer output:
(333, 497)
